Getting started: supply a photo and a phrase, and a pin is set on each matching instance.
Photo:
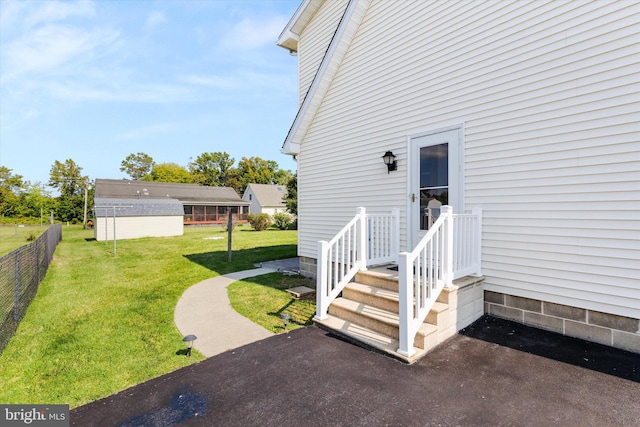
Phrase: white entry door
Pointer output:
(435, 178)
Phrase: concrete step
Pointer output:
(369, 338)
(439, 315)
(388, 300)
(380, 277)
(372, 295)
(380, 320)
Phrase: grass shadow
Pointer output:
(574, 351)
(241, 259)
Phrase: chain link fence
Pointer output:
(20, 273)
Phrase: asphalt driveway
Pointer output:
(494, 373)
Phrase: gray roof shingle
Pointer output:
(268, 195)
(186, 193)
(137, 207)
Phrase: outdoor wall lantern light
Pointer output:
(390, 160)
(285, 319)
(189, 339)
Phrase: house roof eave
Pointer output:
(353, 15)
(291, 33)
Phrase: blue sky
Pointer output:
(95, 81)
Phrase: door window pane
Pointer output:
(434, 183)
(434, 166)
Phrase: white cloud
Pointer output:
(247, 79)
(154, 19)
(122, 92)
(56, 11)
(50, 47)
(254, 33)
(146, 132)
(216, 81)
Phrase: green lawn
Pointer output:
(101, 323)
(12, 236)
(263, 299)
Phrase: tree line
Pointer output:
(23, 201)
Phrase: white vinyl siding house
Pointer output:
(265, 198)
(315, 41)
(546, 96)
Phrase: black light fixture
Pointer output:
(189, 339)
(390, 160)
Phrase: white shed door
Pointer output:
(435, 179)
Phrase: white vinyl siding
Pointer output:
(549, 96)
(135, 227)
(314, 42)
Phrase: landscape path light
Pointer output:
(189, 339)
(285, 319)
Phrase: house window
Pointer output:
(250, 197)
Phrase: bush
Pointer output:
(282, 220)
(260, 222)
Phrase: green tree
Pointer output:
(213, 169)
(35, 201)
(11, 187)
(291, 197)
(137, 166)
(67, 178)
(169, 172)
(254, 170)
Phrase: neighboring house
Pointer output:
(154, 202)
(265, 198)
(528, 110)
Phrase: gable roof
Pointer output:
(344, 34)
(186, 193)
(268, 195)
(137, 207)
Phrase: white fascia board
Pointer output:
(291, 148)
(322, 80)
(291, 34)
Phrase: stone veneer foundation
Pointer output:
(608, 329)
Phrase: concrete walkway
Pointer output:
(205, 311)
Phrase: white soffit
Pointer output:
(291, 34)
(343, 36)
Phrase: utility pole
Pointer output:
(86, 196)
(229, 233)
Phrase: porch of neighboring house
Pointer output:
(403, 304)
(213, 214)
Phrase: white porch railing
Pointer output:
(368, 239)
(450, 250)
(467, 244)
(383, 238)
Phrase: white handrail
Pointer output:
(367, 239)
(338, 262)
(423, 274)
